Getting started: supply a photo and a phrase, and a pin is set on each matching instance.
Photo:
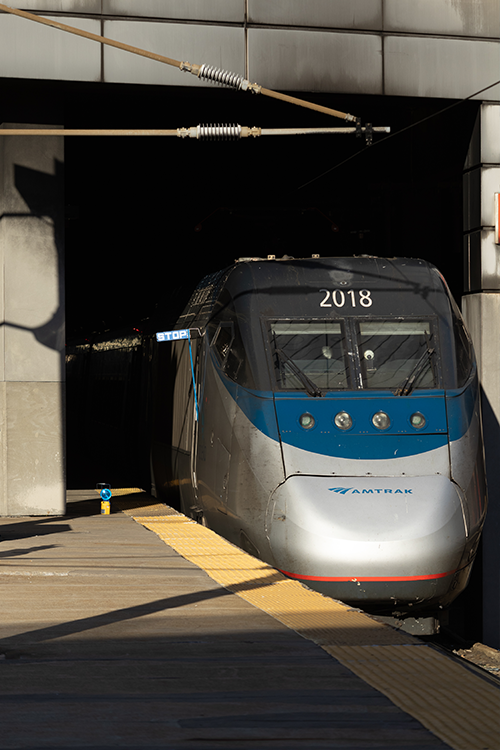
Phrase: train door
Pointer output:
(183, 423)
(212, 454)
(196, 357)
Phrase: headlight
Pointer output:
(418, 421)
(307, 421)
(343, 420)
(381, 420)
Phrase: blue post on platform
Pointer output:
(105, 493)
(182, 334)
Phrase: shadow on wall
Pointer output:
(44, 196)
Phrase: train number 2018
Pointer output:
(340, 298)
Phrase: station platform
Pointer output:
(143, 629)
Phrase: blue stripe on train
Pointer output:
(362, 409)
(363, 441)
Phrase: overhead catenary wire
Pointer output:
(200, 132)
(204, 72)
(216, 75)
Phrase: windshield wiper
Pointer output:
(308, 384)
(409, 383)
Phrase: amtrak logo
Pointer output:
(354, 491)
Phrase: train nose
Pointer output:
(362, 538)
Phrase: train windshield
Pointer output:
(397, 354)
(317, 356)
(310, 355)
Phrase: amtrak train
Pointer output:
(323, 414)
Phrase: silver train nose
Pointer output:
(366, 538)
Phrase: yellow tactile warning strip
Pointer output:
(456, 705)
(316, 617)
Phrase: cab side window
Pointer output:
(222, 341)
(230, 352)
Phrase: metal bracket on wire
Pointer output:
(367, 131)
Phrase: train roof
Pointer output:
(308, 286)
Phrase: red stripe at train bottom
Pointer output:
(364, 579)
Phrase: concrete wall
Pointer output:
(481, 306)
(32, 476)
(428, 48)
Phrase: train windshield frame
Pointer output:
(312, 349)
(397, 354)
(374, 354)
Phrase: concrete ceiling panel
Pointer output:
(449, 17)
(222, 46)
(341, 14)
(59, 6)
(451, 68)
(30, 50)
(296, 60)
(228, 11)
